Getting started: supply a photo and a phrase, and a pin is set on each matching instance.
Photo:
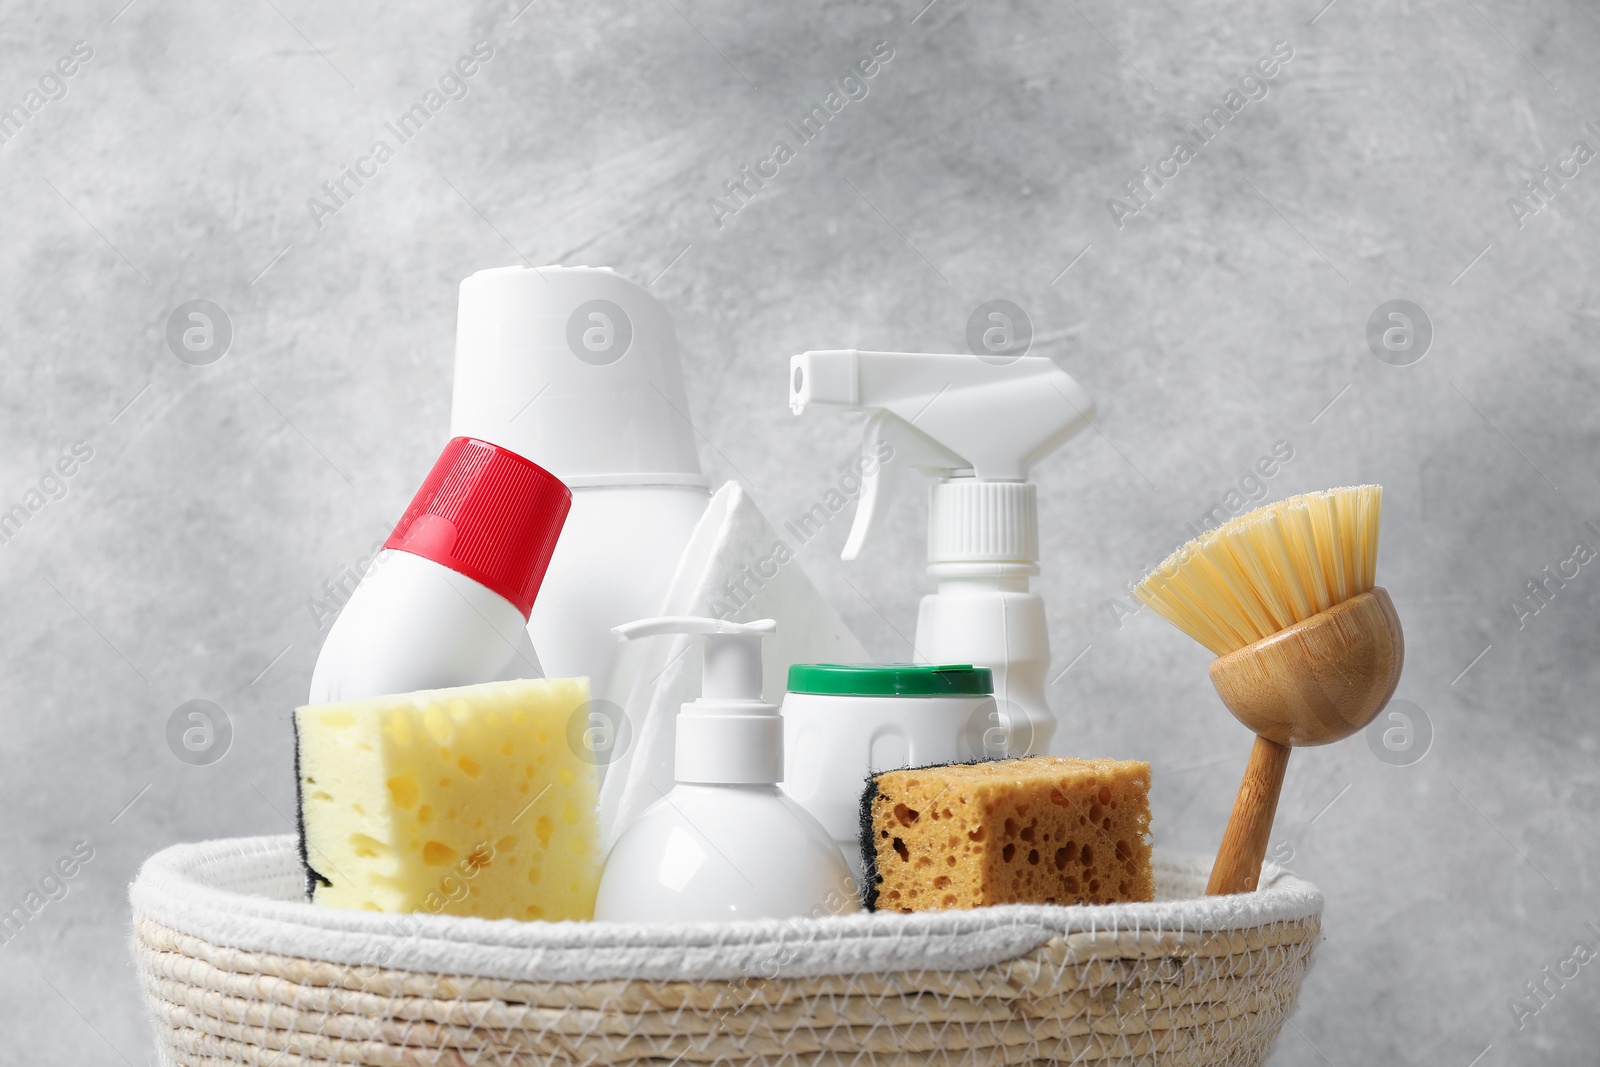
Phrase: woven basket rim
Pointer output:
(238, 892)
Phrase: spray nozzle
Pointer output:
(732, 651)
(954, 417)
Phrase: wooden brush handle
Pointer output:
(1244, 843)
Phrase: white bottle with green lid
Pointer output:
(845, 721)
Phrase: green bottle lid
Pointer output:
(891, 679)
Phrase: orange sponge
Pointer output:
(1041, 830)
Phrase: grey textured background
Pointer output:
(1226, 316)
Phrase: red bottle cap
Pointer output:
(487, 513)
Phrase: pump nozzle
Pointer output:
(732, 651)
(730, 735)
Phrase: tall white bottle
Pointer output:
(977, 426)
(578, 369)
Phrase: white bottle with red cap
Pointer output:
(446, 602)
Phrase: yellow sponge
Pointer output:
(464, 801)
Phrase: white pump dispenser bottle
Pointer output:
(725, 843)
(977, 425)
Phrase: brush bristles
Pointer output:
(1270, 568)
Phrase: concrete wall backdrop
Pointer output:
(1214, 317)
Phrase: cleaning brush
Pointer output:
(1308, 649)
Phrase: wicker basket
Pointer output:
(238, 970)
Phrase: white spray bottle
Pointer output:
(977, 425)
(725, 842)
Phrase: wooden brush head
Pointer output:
(1309, 651)
(1320, 680)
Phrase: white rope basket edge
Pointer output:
(243, 893)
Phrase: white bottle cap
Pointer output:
(970, 521)
(577, 369)
(730, 736)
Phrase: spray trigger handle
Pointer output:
(890, 448)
